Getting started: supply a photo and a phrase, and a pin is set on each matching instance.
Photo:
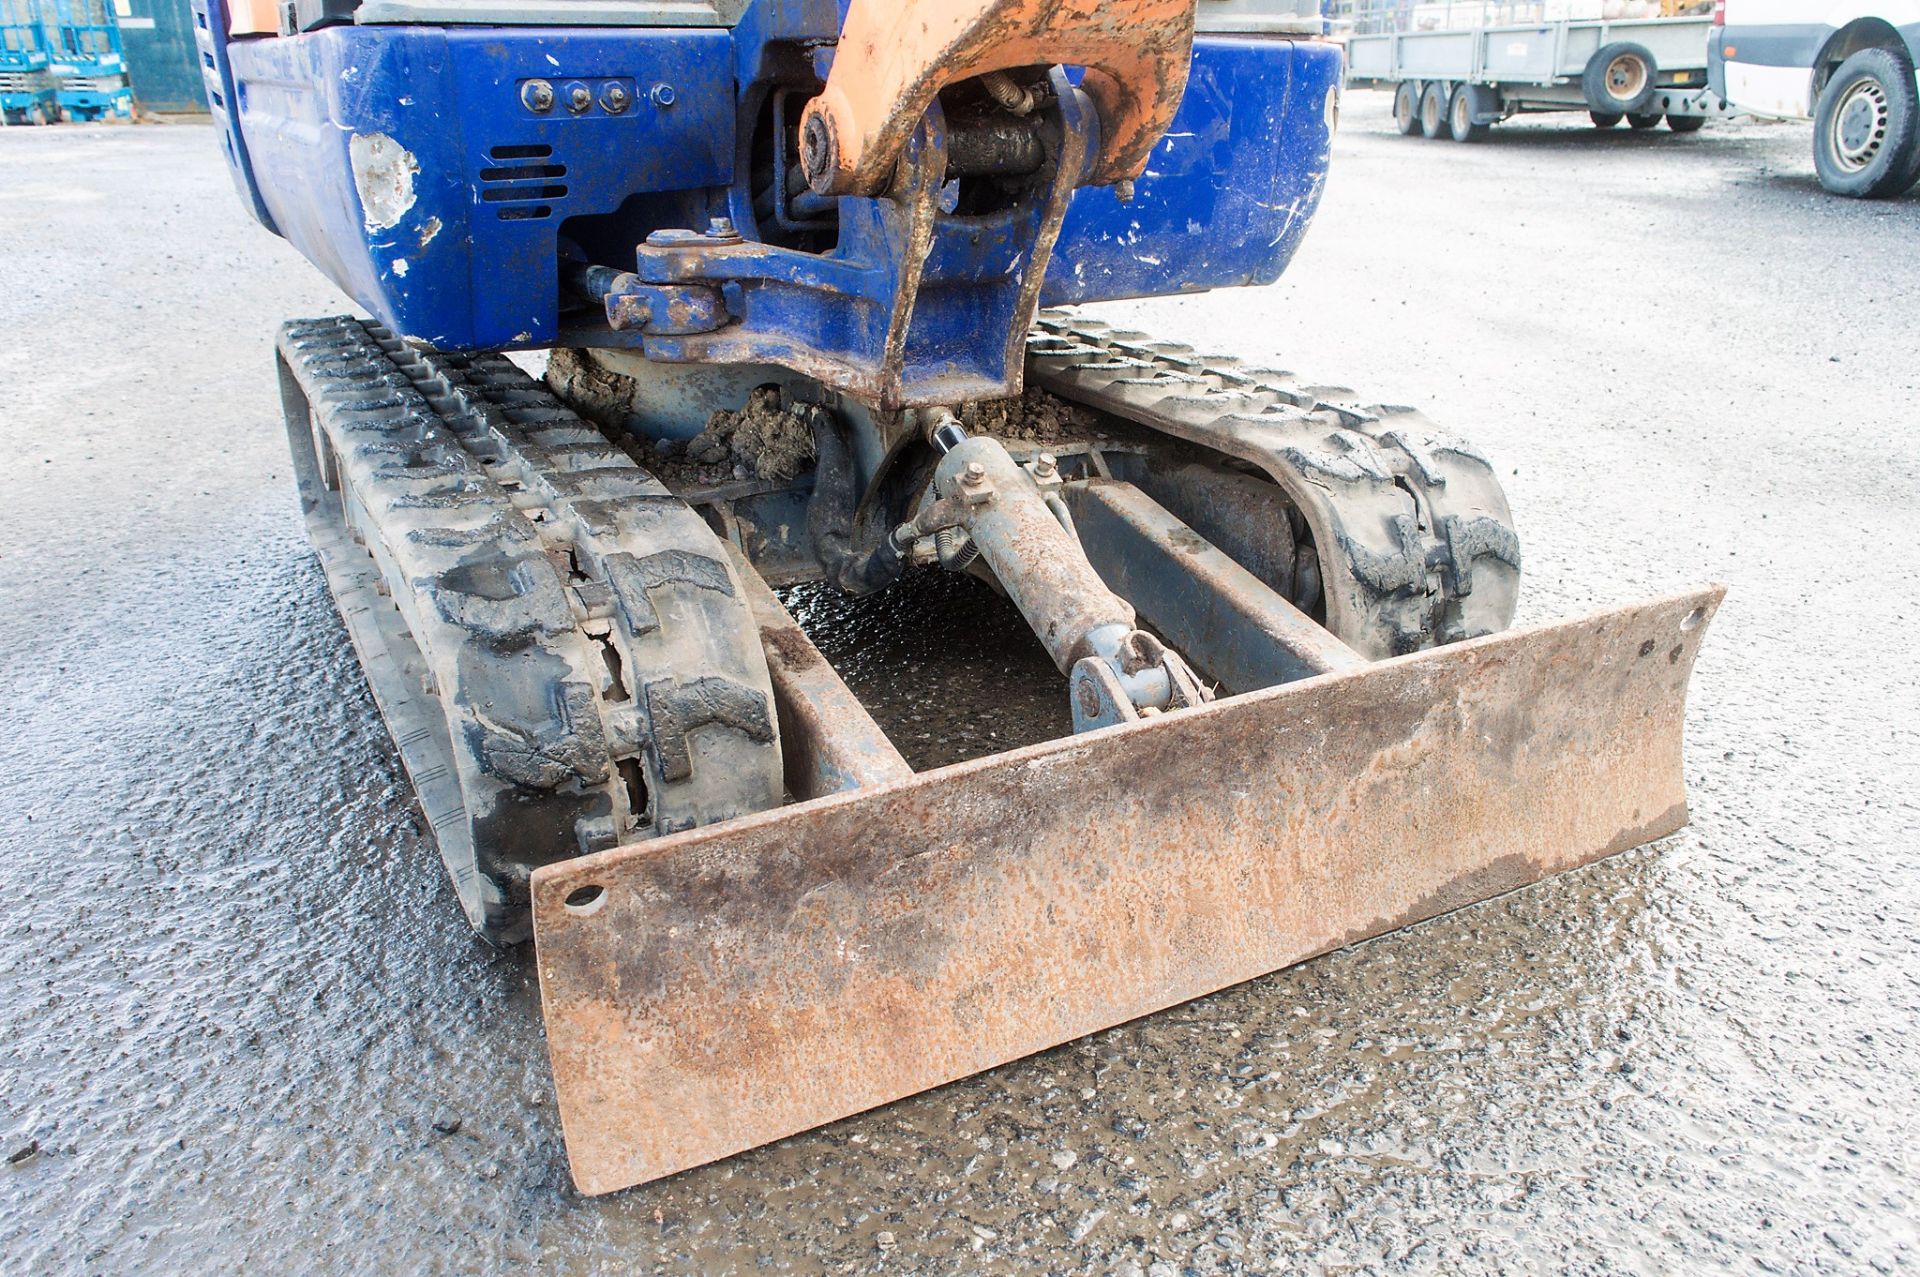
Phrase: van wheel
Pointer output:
(1686, 123)
(1433, 111)
(1406, 109)
(1619, 78)
(1866, 129)
(1604, 119)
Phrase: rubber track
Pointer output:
(580, 630)
(1412, 532)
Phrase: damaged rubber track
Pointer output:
(1411, 535)
(562, 649)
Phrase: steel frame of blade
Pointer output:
(739, 983)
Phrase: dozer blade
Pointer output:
(725, 987)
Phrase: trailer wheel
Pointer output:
(1460, 113)
(1643, 122)
(36, 114)
(1619, 79)
(1604, 119)
(1433, 111)
(1866, 129)
(1406, 108)
(1686, 123)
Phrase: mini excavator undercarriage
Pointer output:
(789, 256)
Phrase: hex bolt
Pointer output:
(974, 475)
(1123, 190)
(662, 95)
(614, 97)
(537, 96)
(721, 228)
(579, 99)
(1046, 465)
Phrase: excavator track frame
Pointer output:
(763, 969)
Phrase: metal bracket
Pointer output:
(893, 60)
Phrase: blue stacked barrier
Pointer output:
(28, 93)
(87, 60)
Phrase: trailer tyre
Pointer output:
(1866, 129)
(1406, 109)
(1619, 79)
(1433, 111)
(1604, 119)
(1643, 122)
(1686, 123)
(1460, 112)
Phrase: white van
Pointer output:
(1848, 65)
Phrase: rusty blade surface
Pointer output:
(738, 983)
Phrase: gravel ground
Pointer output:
(245, 1027)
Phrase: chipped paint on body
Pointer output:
(383, 173)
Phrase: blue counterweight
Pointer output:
(445, 177)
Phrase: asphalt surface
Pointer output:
(245, 1027)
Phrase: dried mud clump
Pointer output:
(769, 439)
(1035, 416)
(604, 398)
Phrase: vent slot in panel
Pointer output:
(518, 180)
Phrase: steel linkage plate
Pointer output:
(725, 987)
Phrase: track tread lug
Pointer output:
(1416, 542)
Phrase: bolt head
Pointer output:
(974, 473)
(1046, 463)
(579, 99)
(614, 98)
(662, 95)
(537, 96)
(721, 228)
(819, 152)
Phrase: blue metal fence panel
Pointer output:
(163, 63)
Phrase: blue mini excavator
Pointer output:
(802, 268)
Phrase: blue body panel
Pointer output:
(1228, 192)
(407, 163)
(469, 262)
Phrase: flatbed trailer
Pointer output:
(1458, 68)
